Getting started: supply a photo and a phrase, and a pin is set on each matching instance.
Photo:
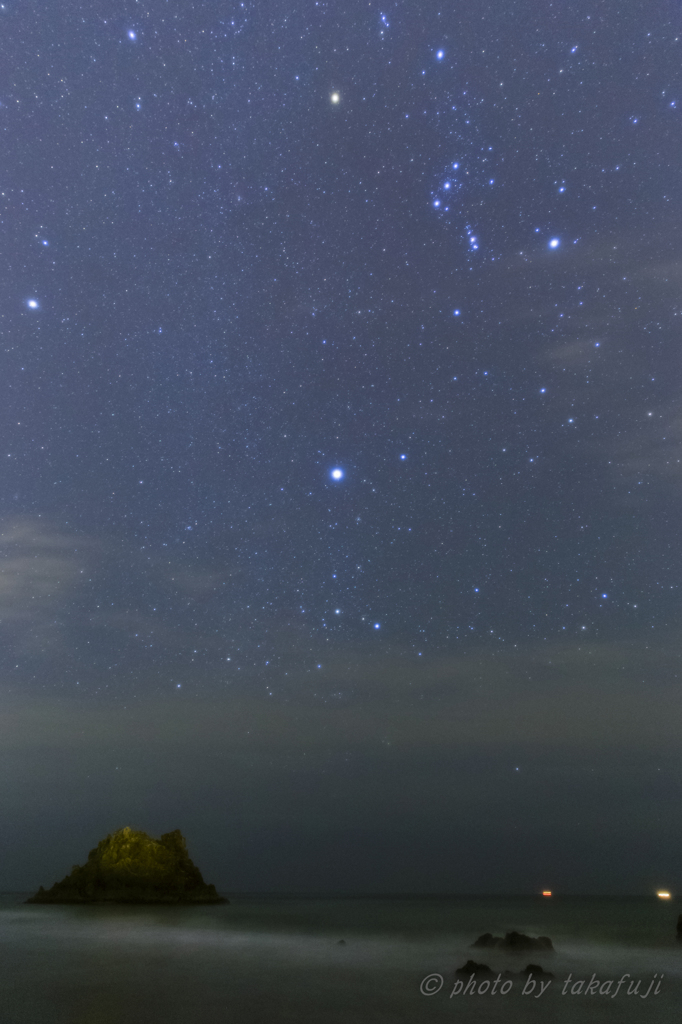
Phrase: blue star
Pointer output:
(456, 312)
(440, 55)
(132, 35)
(32, 303)
(554, 243)
(336, 474)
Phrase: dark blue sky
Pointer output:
(437, 249)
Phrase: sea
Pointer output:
(321, 960)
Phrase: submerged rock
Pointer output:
(513, 940)
(536, 971)
(131, 867)
(471, 967)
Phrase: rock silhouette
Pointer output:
(513, 941)
(131, 867)
(471, 967)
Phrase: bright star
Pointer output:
(132, 35)
(436, 202)
(403, 456)
(446, 185)
(45, 241)
(32, 303)
(554, 242)
(440, 55)
(377, 625)
(455, 166)
(337, 474)
(335, 97)
(456, 312)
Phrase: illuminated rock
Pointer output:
(131, 867)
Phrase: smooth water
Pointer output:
(267, 959)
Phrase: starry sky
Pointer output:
(341, 438)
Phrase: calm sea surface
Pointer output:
(267, 959)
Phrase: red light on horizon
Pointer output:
(546, 892)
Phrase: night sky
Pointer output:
(341, 429)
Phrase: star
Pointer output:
(337, 474)
(335, 97)
(32, 303)
(554, 243)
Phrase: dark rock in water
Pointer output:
(679, 927)
(471, 967)
(536, 971)
(513, 941)
(516, 940)
(131, 867)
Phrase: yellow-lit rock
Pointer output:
(131, 867)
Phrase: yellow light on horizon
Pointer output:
(663, 895)
(335, 97)
(546, 892)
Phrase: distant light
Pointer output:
(337, 474)
(554, 242)
(663, 895)
(546, 892)
(440, 55)
(456, 312)
(335, 97)
(32, 303)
